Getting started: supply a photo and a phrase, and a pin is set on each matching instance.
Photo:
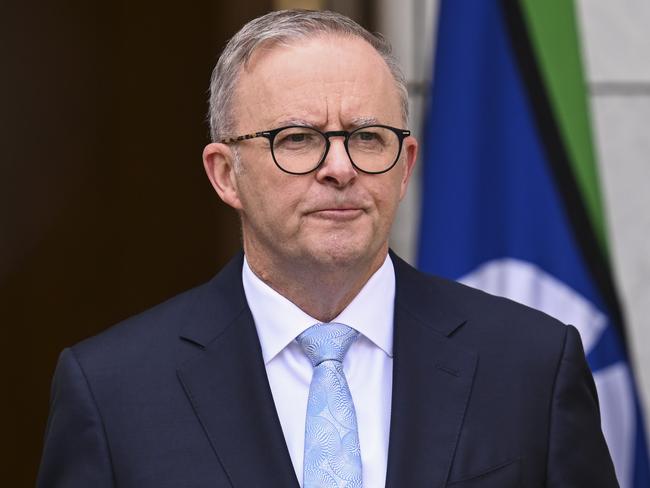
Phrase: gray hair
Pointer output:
(280, 27)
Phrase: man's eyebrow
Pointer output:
(299, 122)
(363, 121)
(355, 122)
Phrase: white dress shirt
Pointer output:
(368, 365)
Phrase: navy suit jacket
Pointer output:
(486, 393)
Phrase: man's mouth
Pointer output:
(337, 213)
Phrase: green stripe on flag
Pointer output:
(552, 30)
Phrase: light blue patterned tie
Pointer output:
(332, 454)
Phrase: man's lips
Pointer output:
(335, 213)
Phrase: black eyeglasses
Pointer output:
(299, 150)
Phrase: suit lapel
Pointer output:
(432, 380)
(229, 391)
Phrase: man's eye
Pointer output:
(297, 137)
(367, 136)
(294, 137)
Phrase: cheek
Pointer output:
(387, 195)
(270, 203)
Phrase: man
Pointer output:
(316, 358)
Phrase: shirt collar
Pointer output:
(279, 321)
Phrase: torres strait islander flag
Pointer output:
(511, 200)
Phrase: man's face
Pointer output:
(336, 214)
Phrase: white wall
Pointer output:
(616, 50)
(616, 46)
(409, 26)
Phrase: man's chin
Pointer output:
(340, 254)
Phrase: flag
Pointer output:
(510, 198)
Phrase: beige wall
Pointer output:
(616, 42)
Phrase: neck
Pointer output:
(321, 290)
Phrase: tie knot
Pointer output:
(323, 342)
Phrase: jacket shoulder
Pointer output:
(156, 331)
(486, 318)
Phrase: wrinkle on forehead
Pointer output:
(354, 122)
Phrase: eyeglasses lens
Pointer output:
(301, 149)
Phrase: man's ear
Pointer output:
(411, 153)
(219, 164)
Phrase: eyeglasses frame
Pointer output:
(271, 134)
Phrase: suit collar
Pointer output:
(223, 298)
(227, 386)
(432, 381)
(215, 305)
(427, 298)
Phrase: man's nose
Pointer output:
(337, 167)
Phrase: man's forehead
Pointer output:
(316, 40)
(325, 79)
(350, 123)
(320, 57)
